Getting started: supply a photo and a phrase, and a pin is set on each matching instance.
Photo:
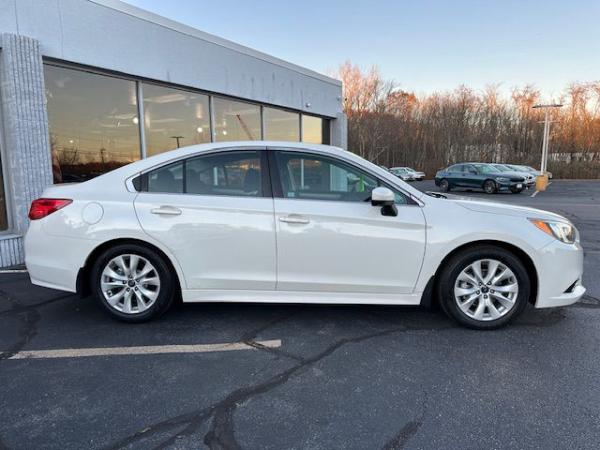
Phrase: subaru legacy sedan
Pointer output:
(288, 222)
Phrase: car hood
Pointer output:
(510, 175)
(506, 209)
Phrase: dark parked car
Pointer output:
(479, 176)
(529, 177)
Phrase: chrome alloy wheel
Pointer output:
(486, 290)
(130, 284)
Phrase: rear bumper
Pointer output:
(560, 270)
(53, 261)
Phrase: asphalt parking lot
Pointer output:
(305, 377)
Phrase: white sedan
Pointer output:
(294, 223)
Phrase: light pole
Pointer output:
(177, 138)
(547, 122)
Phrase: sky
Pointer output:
(424, 45)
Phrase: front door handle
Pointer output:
(166, 211)
(295, 218)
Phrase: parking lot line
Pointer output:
(143, 350)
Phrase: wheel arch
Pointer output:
(83, 276)
(489, 179)
(429, 298)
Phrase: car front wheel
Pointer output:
(489, 186)
(133, 283)
(484, 287)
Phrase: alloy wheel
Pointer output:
(486, 290)
(130, 283)
(489, 187)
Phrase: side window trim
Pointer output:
(266, 185)
(276, 178)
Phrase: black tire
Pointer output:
(457, 263)
(168, 284)
(444, 185)
(489, 187)
(516, 191)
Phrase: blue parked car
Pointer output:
(479, 176)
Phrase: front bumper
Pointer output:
(510, 185)
(560, 270)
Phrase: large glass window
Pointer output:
(3, 215)
(281, 125)
(315, 130)
(93, 123)
(174, 118)
(236, 121)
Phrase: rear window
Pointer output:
(167, 179)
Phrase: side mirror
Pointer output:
(384, 197)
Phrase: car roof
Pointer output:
(134, 168)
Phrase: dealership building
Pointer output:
(89, 85)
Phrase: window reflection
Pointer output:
(315, 130)
(236, 121)
(167, 179)
(281, 125)
(93, 123)
(320, 178)
(174, 118)
(227, 173)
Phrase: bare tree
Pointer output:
(392, 127)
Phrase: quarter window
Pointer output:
(313, 177)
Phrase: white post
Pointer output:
(545, 144)
(546, 137)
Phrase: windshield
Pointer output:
(502, 168)
(486, 168)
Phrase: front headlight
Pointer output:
(563, 231)
(502, 179)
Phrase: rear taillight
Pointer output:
(43, 207)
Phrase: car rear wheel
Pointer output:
(490, 187)
(484, 287)
(444, 185)
(133, 283)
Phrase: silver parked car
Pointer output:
(416, 175)
(402, 173)
(529, 177)
(528, 169)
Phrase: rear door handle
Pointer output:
(166, 211)
(295, 218)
